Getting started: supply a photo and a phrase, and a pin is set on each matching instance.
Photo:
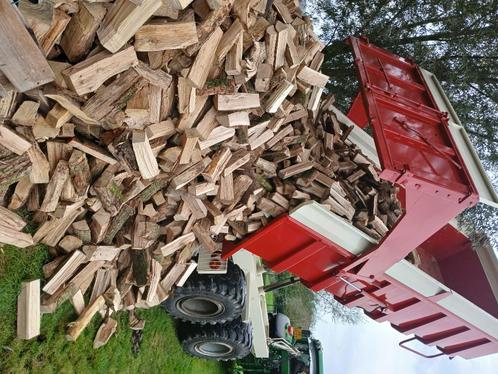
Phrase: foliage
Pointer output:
(298, 304)
(456, 40)
(336, 312)
(302, 305)
(160, 350)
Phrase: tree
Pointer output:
(328, 307)
(455, 39)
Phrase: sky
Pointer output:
(372, 347)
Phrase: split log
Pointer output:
(28, 310)
(76, 328)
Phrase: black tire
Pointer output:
(221, 342)
(209, 298)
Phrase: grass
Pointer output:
(160, 350)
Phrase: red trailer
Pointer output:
(447, 294)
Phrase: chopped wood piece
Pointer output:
(77, 327)
(234, 119)
(207, 123)
(105, 332)
(140, 266)
(92, 150)
(226, 193)
(79, 170)
(80, 33)
(186, 96)
(176, 244)
(169, 280)
(67, 130)
(21, 193)
(156, 77)
(291, 53)
(78, 302)
(238, 159)
(52, 231)
(54, 187)
(10, 220)
(256, 140)
(99, 225)
(263, 78)
(123, 20)
(59, 22)
(189, 141)
(218, 135)
(195, 205)
(190, 174)
(22, 61)
(187, 121)
(28, 310)
(65, 272)
(204, 59)
(161, 35)
(280, 200)
(91, 73)
(270, 208)
(278, 96)
(186, 274)
(295, 169)
(26, 114)
(40, 166)
(234, 57)
(280, 44)
(13, 141)
(73, 107)
(378, 226)
(229, 39)
(160, 129)
(201, 232)
(180, 4)
(269, 168)
(109, 99)
(315, 97)
(69, 243)
(271, 37)
(283, 11)
(312, 77)
(85, 276)
(237, 101)
(279, 136)
(218, 163)
(58, 116)
(355, 176)
(203, 189)
(147, 163)
(241, 184)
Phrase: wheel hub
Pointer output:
(213, 349)
(200, 307)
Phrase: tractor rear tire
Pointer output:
(209, 298)
(221, 342)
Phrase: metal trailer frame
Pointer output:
(425, 152)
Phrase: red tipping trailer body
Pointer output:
(432, 298)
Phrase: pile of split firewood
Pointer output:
(135, 132)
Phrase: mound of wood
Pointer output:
(166, 128)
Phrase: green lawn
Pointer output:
(51, 353)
